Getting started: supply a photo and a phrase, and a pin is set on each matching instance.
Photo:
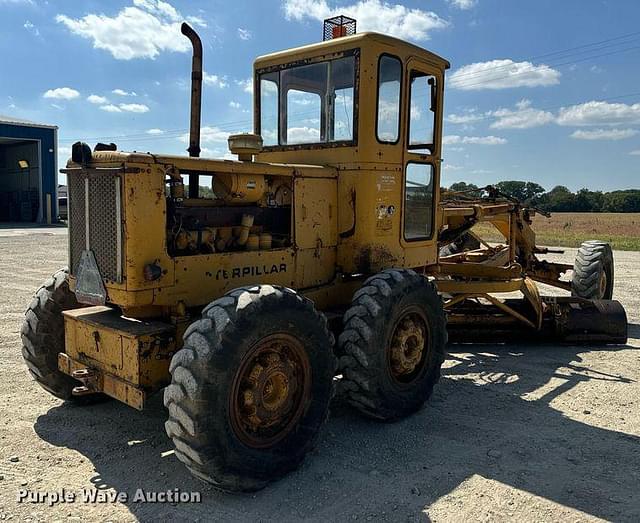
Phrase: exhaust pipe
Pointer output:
(196, 90)
(196, 103)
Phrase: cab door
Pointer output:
(421, 162)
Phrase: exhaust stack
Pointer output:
(196, 90)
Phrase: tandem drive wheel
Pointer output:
(393, 344)
(251, 387)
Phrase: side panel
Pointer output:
(316, 230)
(145, 216)
(370, 219)
(203, 278)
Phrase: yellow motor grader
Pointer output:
(325, 256)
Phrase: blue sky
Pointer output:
(547, 91)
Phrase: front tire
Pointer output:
(251, 387)
(43, 336)
(393, 344)
(593, 271)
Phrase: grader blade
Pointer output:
(565, 320)
(578, 320)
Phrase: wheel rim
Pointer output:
(602, 284)
(409, 346)
(270, 390)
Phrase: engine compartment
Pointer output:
(232, 212)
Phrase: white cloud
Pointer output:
(234, 105)
(452, 167)
(134, 108)
(604, 134)
(129, 108)
(246, 84)
(122, 92)
(635, 153)
(463, 4)
(468, 117)
(372, 15)
(111, 108)
(524, 117)
(213, 80)
(160, 8)
(95, 99)
(155, 131)
(303, 134)
(599, 113)
(28, 25)
(503, 74)
(62, 93)
(143, 30)
(244, 34)
(196, 20)
(209, 134)
(454, 139)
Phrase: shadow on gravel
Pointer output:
(500, 426)
(634, 331)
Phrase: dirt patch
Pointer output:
(512, 432)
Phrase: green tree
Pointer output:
(462, 186)
(523, 191)
(588, 201)
(560, 199)
(622, 201)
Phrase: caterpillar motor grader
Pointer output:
(225, 283)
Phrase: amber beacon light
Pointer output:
(338, 26)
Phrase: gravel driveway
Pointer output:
(511, 433)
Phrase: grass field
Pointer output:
(570, 229)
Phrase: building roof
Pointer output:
(12, 120)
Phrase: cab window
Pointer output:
(269, 108)
(314, 103)
(418, 201)
(422, 112)
(389, 84)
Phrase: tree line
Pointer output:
(561, 199)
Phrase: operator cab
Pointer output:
(367, 95)
(371, 106)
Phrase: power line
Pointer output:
(145, 136)
(490, 115)
(455, 84)
(564, 51)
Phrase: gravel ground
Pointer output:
(512, 433)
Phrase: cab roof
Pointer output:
(349, 42)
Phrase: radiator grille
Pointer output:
(104, 221)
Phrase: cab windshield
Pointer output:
(308, 104)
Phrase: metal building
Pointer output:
(28, 171)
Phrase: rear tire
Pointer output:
(43, 336)
(251, 387)
(393, 344)
(593, 271)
